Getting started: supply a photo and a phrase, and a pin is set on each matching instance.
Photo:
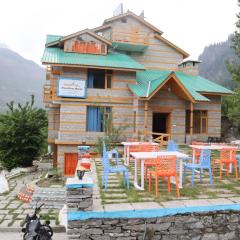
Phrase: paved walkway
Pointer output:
(13, 211)
(18, 236)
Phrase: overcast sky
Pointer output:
(190, 24)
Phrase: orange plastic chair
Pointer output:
(227, 156)
(150, 162)
(165, 167)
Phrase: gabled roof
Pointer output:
(150, 80)
(88, 31)
(53, 38)
(100, 28)
(185, 54)
(129, 13)
(111, 60)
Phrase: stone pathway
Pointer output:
(13, 211)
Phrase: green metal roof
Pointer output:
(113, 60)
(148, 81)
(129, 47)
(52, 38)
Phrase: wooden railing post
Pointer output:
(145, 117)
(191, 121)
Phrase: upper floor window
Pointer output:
(99, 78)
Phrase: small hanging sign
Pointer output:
(72, 88)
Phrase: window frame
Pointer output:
(203, 115)
(104, 112)
(107, 78)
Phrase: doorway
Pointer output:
(70, 163)
(161, 122)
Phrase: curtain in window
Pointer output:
(94, 119)
(90, 79)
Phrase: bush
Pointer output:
(23, 134)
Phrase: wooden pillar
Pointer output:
(55, 156)
(145, 117)
(191, 120)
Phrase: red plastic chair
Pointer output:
(227, 156)
(165, 167)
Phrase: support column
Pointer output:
(55, 155)
(191, 121)
(145, 117)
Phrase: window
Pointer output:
(99, 78)
(98, 119)
(124, 20)
(199, 121)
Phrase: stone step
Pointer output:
(109, 201)
(109, 195)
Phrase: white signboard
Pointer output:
(71, 87)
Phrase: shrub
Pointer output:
(23, 134)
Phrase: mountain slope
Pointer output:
(213, 64)
(19, 78)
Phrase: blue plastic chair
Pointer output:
(107, 169)
(115, 153)
(204, 163)
(171, 147)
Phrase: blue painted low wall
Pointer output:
(149, 213)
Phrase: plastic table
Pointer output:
(151, 155)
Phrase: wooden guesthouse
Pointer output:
(127, 68)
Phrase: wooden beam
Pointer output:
(191, 120)
(145, 117)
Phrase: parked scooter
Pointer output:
(34, 229)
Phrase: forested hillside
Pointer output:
(213, 65)
(19, 78)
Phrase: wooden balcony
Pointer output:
(131, 38)
(47, 94)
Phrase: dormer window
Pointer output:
(89, 47)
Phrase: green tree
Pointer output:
(23, 134)
(231, 104)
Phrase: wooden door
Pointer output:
(70, 163)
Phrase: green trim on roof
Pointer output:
(52, 38)
(113, 60)
(129, 47)
(149, 80)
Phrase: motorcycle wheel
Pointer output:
(48, 229)
(24, 236)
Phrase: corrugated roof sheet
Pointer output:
(113, 60)
(52, 38)
(148, 81)
(129, 47)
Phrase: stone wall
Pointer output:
(79, 198)
(218, 225)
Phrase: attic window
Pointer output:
(124, 20)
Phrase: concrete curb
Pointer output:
(56, 229)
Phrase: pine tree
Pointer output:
(231, 104)
(23, 133)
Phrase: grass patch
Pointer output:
(47, 182)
